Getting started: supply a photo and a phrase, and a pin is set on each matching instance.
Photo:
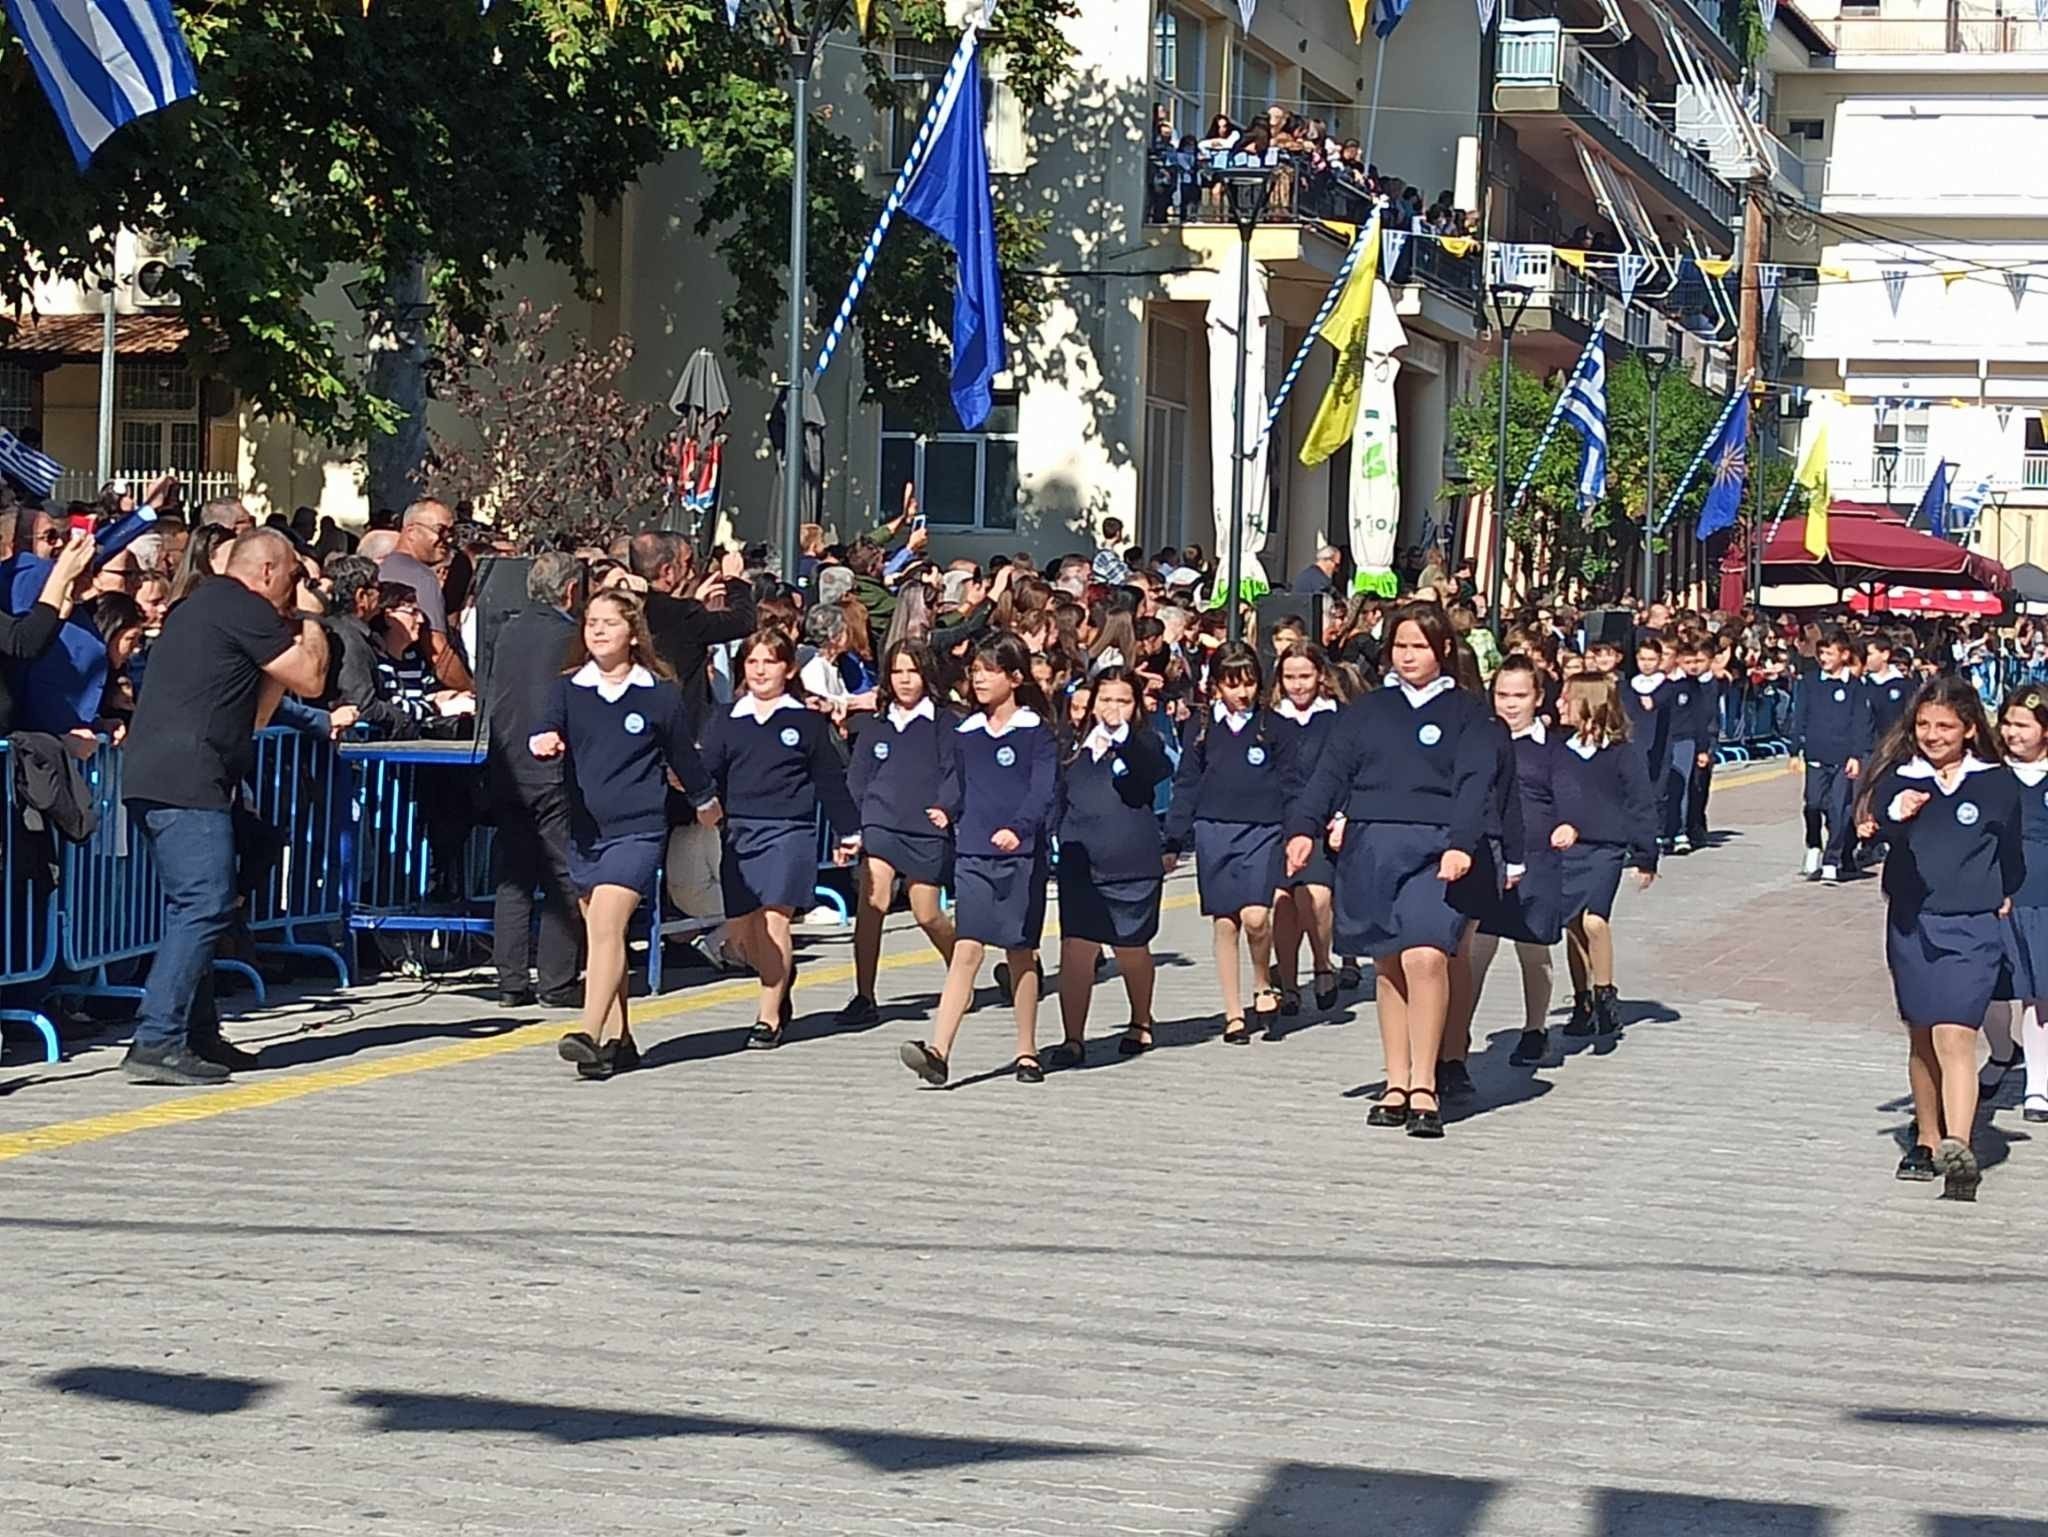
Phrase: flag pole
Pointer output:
(1685, 480)
(1368, 230)
(1549, 431)
(1372, 113)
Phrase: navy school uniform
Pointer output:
(1889, 695)
(1695, 716)
(1314, 725)
(1648, 701)
(1832, 722)
(621, 739)
(1532, 911)
(2026, 927)
(1111, 865)
(774, 771)
(903, 767)
(1008, 781)
(1952, 866)
(1229, 802)
(1605, 794)
(1414, 772)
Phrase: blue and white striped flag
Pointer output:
(1585, 407)
(36, 473)
(1964, 508)
(104, 63)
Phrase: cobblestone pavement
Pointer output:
(422, 1281)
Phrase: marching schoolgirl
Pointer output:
(1951, 813)
(2023, 727)
(1602, 791)
(903, 777)
(1306, 694)
(1412, 767)
(1009, 785)
(1531, 912)
(1229, 801)
(618, 715)
(1111, 863)
(775, 762)
(1651, 697)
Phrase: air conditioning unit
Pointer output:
(148, 265)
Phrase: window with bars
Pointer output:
(17, 397)
(965, 480)
(167, 386)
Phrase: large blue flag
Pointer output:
(1934, 503)
(950, 197)
(104, 63)
(1585, 409)
(1729, 455)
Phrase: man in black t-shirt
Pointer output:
(226, 657)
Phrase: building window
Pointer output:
(1252, 85)
(965, 480)
(1813, 128)
(916, 68)
(167, 386)
(1177, 43)
(17, 398)
(1903, 431)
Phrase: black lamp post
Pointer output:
(1246, 185)
(1510, 300)
(1887, 468)
(1656, 363)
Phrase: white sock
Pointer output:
(2034, 1039)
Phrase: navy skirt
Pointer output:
(923, 858)
(1592, 876)
(631, 861)
(1532, 913)
(1945, 966)
(1122, 913)
(1388, 896)
(1321, 869)
(1237, 865)
(768, 863)
(2026, 954)
(999, 901)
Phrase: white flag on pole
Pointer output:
(1629, 268)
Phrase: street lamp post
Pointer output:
(1656, 363)
(1246, 186)
(1887, 467)
(1509, 302)
(801, 53)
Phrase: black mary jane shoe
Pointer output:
(577, 1047)
(1290, 1001)
(1235, 1032)
(1065, 1055)
(1918, 1165)
(1326, 997)
(1425, 1123)
(1386, 1113)
(764, 1036)
(923, 1061)
(1136, 1042)
(1029, 1070)
(1531, 1049)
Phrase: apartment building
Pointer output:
(1924, 133)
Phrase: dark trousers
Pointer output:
(1678, 789)
(1829, 794)
(195, 865)
(1696, 803)
(533, 855)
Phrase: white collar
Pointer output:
(1533, 731)
(1418, 697)
(1678, 677)
(1883, 677)
(1102, 739)
(2030, 774)
(1835, 677)
(1646, 682)
(979, 721)
(1920, 768)
(1582, 747)
(588, 676)
(1234, 722)
(922, 710)
(1300, 717)
(748, 707)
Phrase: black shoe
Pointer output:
(764, 1036)
(923, 1061)
(1531, 1049)
(578, 1047)
(860, 1012)
(1290, 1003)
(1065, 1054)
(1137, 1040)
(1326, 999)
(1606, 1011)
(1581, 1022)
(225, 1054)
(1425, 1123)
(1003, 982)
(1348, 975)
(1917, 1165)
(1455, 1080)
(625, 1054)
(570, 997)
(1959, 1169)
(603, 1063)
(1029, 1070)
(1385, 1114)
(172, 1066)
(515, 997)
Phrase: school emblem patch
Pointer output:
(1006, 756)
(1430, 734)
(1967, 813)
(881, 751)
(791, 736)
(635, 723)
(1255, 756)
(1841, 694)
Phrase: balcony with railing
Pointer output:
(1179, 190)
(1535, 55)
(2034, 471)
(1995, 37)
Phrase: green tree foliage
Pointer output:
(329, 142)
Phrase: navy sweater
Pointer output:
(1649, 719)
(1538, 767)
(1832, 720)
(1106, 819)
(1390, 761)
(1962, 853)
(1233, 776)
(1696, 711)
(1309, 744)
(1888, 698)
(899, 773)
(2033, 891)
(619, 750)
(781, 769)
(1009, 781)
(1607, 798)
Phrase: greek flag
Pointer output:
(1585, 407)
(104, 63)
(1963, 509)
(36, 473)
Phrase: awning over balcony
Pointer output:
(77, 338)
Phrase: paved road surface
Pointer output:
(425, 1282)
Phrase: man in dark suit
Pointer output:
(528, 796)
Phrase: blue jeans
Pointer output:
(195, 864)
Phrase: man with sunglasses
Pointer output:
(426, 544)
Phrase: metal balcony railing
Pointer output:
(2034, 471)
(195, 487)
(1936, 34)
(1180, 191)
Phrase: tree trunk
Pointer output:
(398, 374)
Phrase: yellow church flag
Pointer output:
(1812, 477)
(1571, 257)
(1345, 330)
(1457, 247)
(865, 9)
(1716, 266)
(1359, 10)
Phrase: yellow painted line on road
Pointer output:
(204, 1105)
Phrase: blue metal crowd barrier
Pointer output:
(28, 921)
(299, 793)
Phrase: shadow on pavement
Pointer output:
(1935, 1419)
(1654, 1513)
(179, 1392)
(1306, 1499)
(326, 1045)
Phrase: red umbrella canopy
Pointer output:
(1872, 544)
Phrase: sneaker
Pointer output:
(1581, 1022)
(222, 1053)
(1959, 1169)
(859, 1012)
(1812, 866)
(1831, 875)
(1454, 1080)
(171, 1066)
(1531, 1049)
(1681, 845)
(1917, 1165)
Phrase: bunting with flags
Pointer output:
(1770, 277)
(1359, 11)
(1245, 8)
(2016, 284)
(1393, 241)
(1628, 272)
(1894, 286)
(1485, 16)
